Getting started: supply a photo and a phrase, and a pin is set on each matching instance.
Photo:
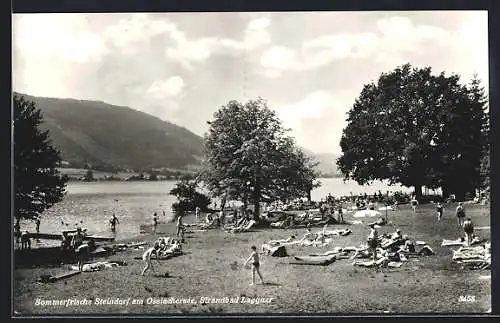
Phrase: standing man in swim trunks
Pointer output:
(460, 212)
(372, 241)
(255, 265)
(79, 249)
(469, 230)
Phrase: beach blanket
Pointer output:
(366, 213)
(474, 257)
(97, 266)
(384, 208)
(459, 242)
(315, 260)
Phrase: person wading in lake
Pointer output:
(155, 222)
(113, 222)
(460, 212)
(37, 223)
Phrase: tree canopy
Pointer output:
(249, 156)
(37, 183)
(416, 128)
(188, 197)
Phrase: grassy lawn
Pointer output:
(429, 284)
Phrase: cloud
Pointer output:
(191, 51)
(317, 120)
(257, 33)
(129, 33)
(57, 36)
(279, 58)
(171, 87)
(314, 105)
(395, 39)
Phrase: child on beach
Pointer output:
(197, 213)
(146, 257)
(255, 265)
(439, 209)
(414, 204)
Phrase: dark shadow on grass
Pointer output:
(271, 284)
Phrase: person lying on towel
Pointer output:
(275, 243)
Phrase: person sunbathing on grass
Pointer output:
(308, 236)
(275, 243)
(319, 241)
(363, 252)
(397, 235)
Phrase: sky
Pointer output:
(182, 67)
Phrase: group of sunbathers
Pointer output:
(168, 245)
(319, 239)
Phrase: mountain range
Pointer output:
(110, 137)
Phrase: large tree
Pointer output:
(37, 183)
(250, 158)
(415, 128)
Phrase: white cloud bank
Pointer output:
(395, 41)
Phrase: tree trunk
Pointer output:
(309, 195)
(245, 200)
(445, 191)
(256, 204)
(418, 192)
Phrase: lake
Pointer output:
(92, 204)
